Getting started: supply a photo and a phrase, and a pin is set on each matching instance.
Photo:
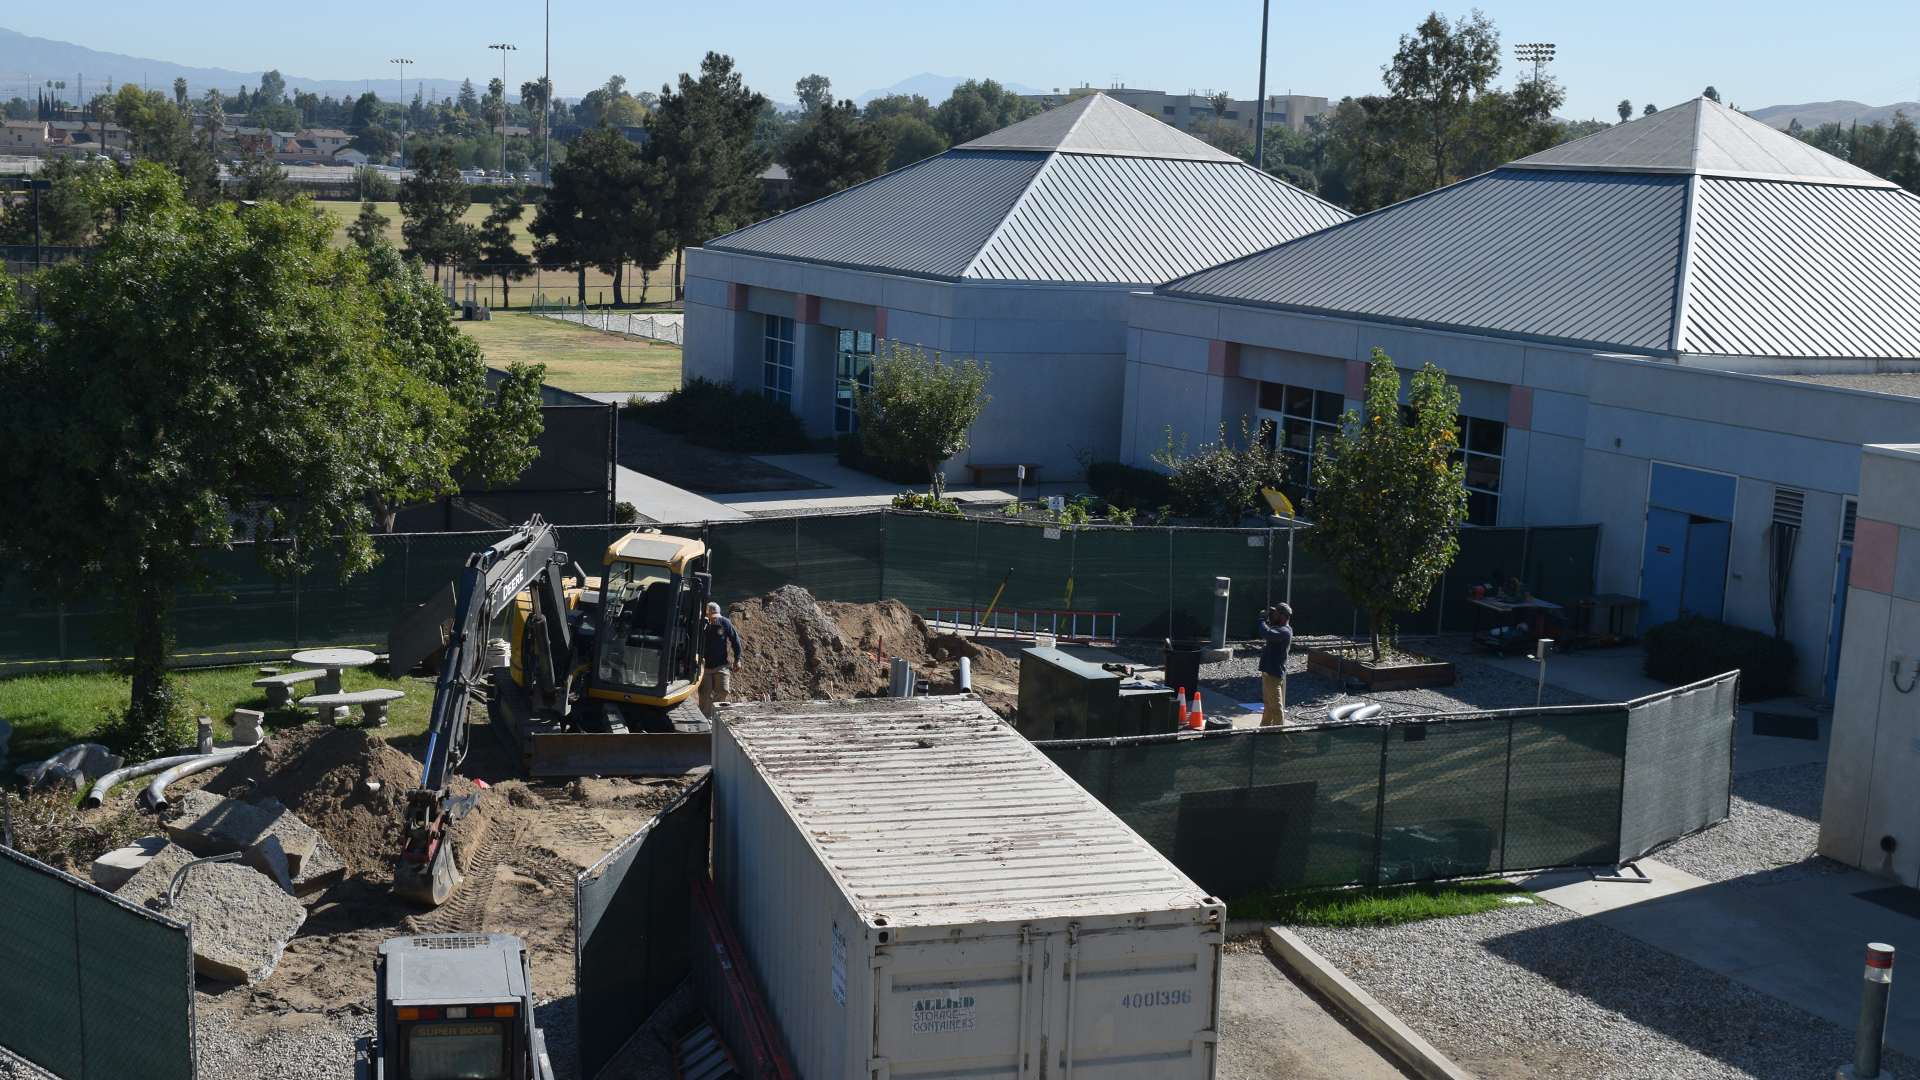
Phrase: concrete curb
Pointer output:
(1406, 1044)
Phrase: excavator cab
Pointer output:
(641, 646)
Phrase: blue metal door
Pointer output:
(1703, 592)
(1663, 566)
(1839, 619)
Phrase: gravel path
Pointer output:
(1770, 837)
(1532, 991)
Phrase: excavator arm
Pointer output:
(526, 561)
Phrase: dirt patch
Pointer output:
(794, 649)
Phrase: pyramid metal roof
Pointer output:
(1091, 197)
(1097, 124)
(1747, 249)
(1701, 138)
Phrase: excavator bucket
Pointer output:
(625, 754)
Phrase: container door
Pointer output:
(1138, 1004)
(956, 1007)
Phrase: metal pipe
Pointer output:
(1873, 1011)
(157, 790)
(107, 783)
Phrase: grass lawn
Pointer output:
(52, 712)
(577, 358)
(1384, 906)
(555, 284)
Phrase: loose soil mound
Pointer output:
(322, 775)
(795, 649)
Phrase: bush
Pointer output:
(1688, 650)
(724, 417)
(1129, 486)
(853, 455)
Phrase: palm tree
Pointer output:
(180, 90)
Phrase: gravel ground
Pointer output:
(1477, 685)
(1770, 837)
(1531, 991)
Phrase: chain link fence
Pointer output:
(1421, 798)
(668, 328)
(91, 987)
(1159, 580)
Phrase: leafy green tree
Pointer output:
(920, 408)
(605, 208)
(432, 202)
(158, 130)
(498, 255)
(1435, 75)
(299, 404)
(366, 112)
(1649, 110)
(1390, 494)
(72, 213)
(370, 227)
(537, 96)
(1220, 481)
(1887, 150)
(815, 92)
(1218, 102)
(888, 106)
(260, 178)
(273, 87)
(834, 150)
(701, 138)
(1625, 110)
(1710, 94)
(469, 100)
(980, 107)
(180, 90)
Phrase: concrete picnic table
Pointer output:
(334, 661)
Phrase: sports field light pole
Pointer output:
(504, 50)
(1535, 53)
(402, 100)
(1260, 107)
(546, 105)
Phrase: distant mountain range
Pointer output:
(1815, 113)
(935, 88)
(27, 62)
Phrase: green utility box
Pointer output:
(1147, 711)
(1065, 698)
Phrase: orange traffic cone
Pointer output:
(1181, 697)
(1194, 719)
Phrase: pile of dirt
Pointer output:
(795, 649)
(345, 782)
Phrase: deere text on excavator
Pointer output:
(602, 662)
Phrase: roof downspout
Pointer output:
(1683, 278)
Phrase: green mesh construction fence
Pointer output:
(1159, 581)
(94, 988)
(1420, 798)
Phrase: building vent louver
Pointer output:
(1846, 524)
(1787, 506)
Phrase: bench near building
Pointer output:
(1018, 249)
(1682, 328)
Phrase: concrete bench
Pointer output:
(373, 705)
(280, 687)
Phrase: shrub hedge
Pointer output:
(1688, 650)
(724, 417)
(1129, 486)
(854, 456)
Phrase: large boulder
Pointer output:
(211, 825)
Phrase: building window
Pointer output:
(776, 370)
(1233, 114)
(1483, 447)
(1168, 109)
(1296, 418)
(853, 370)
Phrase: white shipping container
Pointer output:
(922, 894)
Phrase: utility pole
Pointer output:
(402, 100)
(1260, 107)
(504, 50)
(546, 104)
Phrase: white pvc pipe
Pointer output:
(157, 791)
(107, 783)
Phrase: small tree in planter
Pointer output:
(1389, 496)
(919, 408)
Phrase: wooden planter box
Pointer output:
(1345, 663)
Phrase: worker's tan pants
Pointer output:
(1274, 698)
(715, 685)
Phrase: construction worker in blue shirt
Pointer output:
(1276, 629)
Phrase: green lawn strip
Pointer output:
(52, 712)
(1378, 906)
(578, 358)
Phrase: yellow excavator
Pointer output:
(596, 666)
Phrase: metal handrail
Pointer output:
(980, 627)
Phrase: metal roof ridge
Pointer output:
(1723, 174)
(1699, 120)
(1683, 268)
(1012, 211)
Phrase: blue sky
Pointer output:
(1757, 54)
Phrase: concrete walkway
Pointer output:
(658, 500)
(1803, 942)
(1271, 1027)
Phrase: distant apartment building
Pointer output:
(34, 138)
(1289, 111)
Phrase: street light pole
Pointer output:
(1260, 107)
(546, 105)
(504, 50)
(402, 100)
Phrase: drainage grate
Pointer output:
(454, 941)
